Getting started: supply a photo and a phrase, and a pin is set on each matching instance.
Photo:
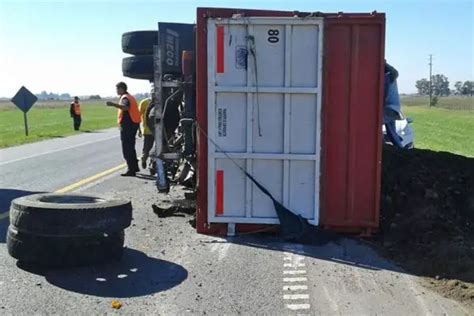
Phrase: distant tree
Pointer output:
(65, 96)
(434, 101)
(468, 88)
(95, 97)
(458, 86)
(440, 85)
(423, 86)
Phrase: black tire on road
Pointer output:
(54, 251)
(138, 67)
(70, 215)
(139, 42)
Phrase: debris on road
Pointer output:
(179, 208)
(116, 304)
(427, 217)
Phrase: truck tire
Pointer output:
(69, 215)
(54, 251)
(138, 67)
(139, 42)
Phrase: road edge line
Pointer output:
(88, 180)
(79, 184)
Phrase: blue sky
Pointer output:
(75, 46)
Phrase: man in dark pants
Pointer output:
(129, 121)
(75, 112)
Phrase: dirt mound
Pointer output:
(427, 217)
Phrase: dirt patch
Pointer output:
(427, 218)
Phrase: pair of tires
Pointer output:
(140, 44)
(67, 230)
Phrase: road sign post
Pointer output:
(24, 100)
(26, 123)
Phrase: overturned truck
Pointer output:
(292, 99)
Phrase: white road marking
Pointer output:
(57, 150)
(300, 279)
(294, 272)
(297, 265)
(295, 287)
(296, 297)
(332, 302)
(295, 307)
(223, 251)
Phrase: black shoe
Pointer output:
(129, 174)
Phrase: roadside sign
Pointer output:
(24, 100)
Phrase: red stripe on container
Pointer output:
(219, 192)
(220, 49)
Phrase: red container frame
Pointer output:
(351, 150)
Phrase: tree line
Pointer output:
(66, 96)
(440, 86)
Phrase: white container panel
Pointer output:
(304, 55)
(265, 115)
(230, 122)
(268, 173)
(302, 188)
(234, 187)
(269, 114)
(303, 124)
(270, 55)
(235, 49)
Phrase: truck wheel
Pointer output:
(138, 67)
(63, 251)
(139, 42)
(70, 215)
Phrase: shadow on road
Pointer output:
(6, 197)
(135, 275)
(145, 177)
(345, 251)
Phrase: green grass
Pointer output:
(447, 127)
(47, 122)
(450, 103)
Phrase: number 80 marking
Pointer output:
(273, 36)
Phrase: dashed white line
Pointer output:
(296, 279)
(295, 265)
(295, 275)
(295, 307)
(294, 272)
(296, 297)
(295, 287)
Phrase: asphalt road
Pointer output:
(168, 269)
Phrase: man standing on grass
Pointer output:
(129, 120)
(75, 112)
(148, 138)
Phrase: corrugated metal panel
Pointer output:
(352, 111)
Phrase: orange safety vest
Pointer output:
(77, 108)
(132, 110)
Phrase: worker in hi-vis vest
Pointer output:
(129, 120)
(75, 112)
(148, 138)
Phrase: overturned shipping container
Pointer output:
(295, 100)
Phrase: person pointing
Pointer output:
(128, 118)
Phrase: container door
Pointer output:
(264, 105)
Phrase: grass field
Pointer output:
(51, 120)
(447, 127)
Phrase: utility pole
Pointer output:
(431, 87)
